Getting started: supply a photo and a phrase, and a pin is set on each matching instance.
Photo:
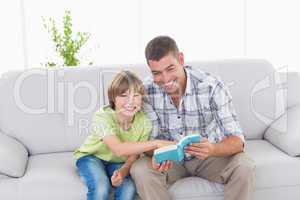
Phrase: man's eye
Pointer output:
(123, 95)
(171, 69)
(137, 94)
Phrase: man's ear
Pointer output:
(181, 58)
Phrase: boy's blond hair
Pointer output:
(123, 81)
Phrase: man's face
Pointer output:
(168, 73)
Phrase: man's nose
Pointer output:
(165, 77)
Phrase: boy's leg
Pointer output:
(236, 172)
(93, 174)
(126, 191)
(151, 184)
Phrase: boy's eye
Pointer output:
(137, 94)
(123, 95)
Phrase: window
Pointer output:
(11, 46)
(120, 30)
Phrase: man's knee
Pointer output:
(245, 172)
(139, 168)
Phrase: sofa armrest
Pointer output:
(284, 132)
(13, 157)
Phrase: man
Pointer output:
(181, 100)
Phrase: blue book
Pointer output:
(175, 152)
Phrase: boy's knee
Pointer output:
(101, 184)
(129, 188)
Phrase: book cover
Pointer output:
(175, 152)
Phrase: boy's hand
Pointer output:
(116, 178)
(162, 143)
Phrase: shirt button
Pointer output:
(178, 117)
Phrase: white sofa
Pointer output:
(45, 115)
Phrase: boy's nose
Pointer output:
(130, 99)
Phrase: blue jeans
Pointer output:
(96, 175)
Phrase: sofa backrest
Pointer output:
(258, 90)
(42, 108)
(51, 110)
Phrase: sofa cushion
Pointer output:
(13, 156)
(52, 176)
(28, 110)
(196, 188)
(250, 81)
(284, 133)
(9, 188)
(46, 127)
(251, 84)
(82, 99)
(274, 169)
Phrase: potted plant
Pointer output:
(67, 44)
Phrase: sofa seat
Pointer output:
(53, 176)
(275, 170)
(49, 176)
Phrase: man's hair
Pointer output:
(123, 81)
(159, 47)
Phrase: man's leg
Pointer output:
(236, 172)
(151, 184)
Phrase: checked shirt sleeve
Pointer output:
(224, 112)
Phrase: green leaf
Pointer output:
(66, 44)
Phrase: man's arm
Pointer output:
(226, 120)
(227, 147)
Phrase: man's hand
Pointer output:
(201, 150)
(165, 166)
(117, 178)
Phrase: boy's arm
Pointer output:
(132, 148)
(119, 175)
(126, 167)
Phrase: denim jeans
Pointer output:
(96, 174)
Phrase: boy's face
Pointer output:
(128, 103)
(168, 73)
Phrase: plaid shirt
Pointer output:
(205, 108)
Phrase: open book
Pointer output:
(175, 152)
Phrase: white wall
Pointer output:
(120, 29)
